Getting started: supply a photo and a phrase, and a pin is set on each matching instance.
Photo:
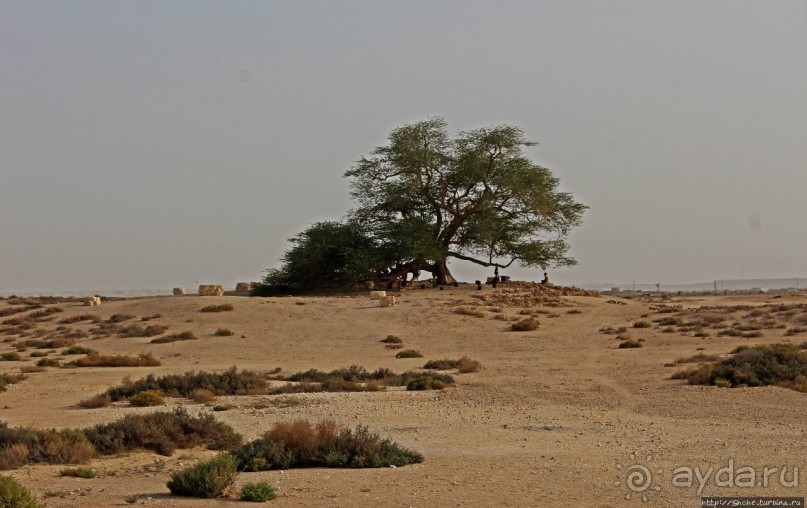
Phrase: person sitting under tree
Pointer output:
(546, 279)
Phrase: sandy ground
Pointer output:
(556, 417)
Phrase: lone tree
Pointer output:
(426, 197)
(474, 197)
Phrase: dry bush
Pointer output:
(642, 324)
(630, 344)
(79, 350)
(142, 360)
(392, 339)
(301, 444)
(394, 346)
(47, 343)
(133, 330)
(353, 378)
(102, 400)
(466, 365)
(120, 318)
(175, 337)
(13, 456)
(223, 332)
(11, 356)
(698, 358)
(224, 307)
(525, 325)
(48, 362)
(10, 379)
(464, 311)
(149, 318)
(49, 312)
(28, 369)
(153, 330)
(202, 396)
(79, 318)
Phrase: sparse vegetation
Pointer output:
(392, 339)
(175, 337)
(11, 356)
(629, 344)
(464, 311)
(698, 358)
(525, 325)
(96, 360)
(10, 379)
(78, 350)
(302, 444)
(642, 324)
(14, 494)
(119, 318)
(353, 379)
(779, 364)
(79, 318)
(229, 382)
(147, 399)
(102, 400)
(463, 365)
(78, 472)
(224, 307)
(159, 432)
(223, 332)
(257, 492)
(409, 353)
(207, 479)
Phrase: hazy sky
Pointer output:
(153, 144)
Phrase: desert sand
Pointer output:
(555, 417)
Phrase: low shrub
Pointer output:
(302, 444)
(47, 343)
(229, 382)
(425, 382)
(79, 350)
(119, 318)
(96, 360)
(525, 325)
(223, 332)
(38, 354)
(10, 379)
(642, 324)
(31, 368)
(698, 358)
(224, 307)
(630, 344)
(147, 399)
(48, 362)
(353, 378)
(444, 364)
(207, 479)
(463, 365)
(12, 356)
(81, 317)
(202, 396)
(13, 494)
(392, 339)
(409, 353)
(464, 311)
(102, 400)
(175, 337)
(78, 472)
(257, 492)
(779, 364)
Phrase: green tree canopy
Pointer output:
(476, 196)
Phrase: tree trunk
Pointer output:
(441, 272)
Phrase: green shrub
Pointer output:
(206, 479)
(48, 362)
(13, 494)
(354, 378)
(229, 382)
(78, 350)
(147, 399)
(96, 360)
(78, 472)
(38, 354)
(257, 492)
(463, 365)
(409, 353)
(224, 307)
(12, 356)
(425, 383)
(779, 364)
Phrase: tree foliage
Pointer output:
(425, 197)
